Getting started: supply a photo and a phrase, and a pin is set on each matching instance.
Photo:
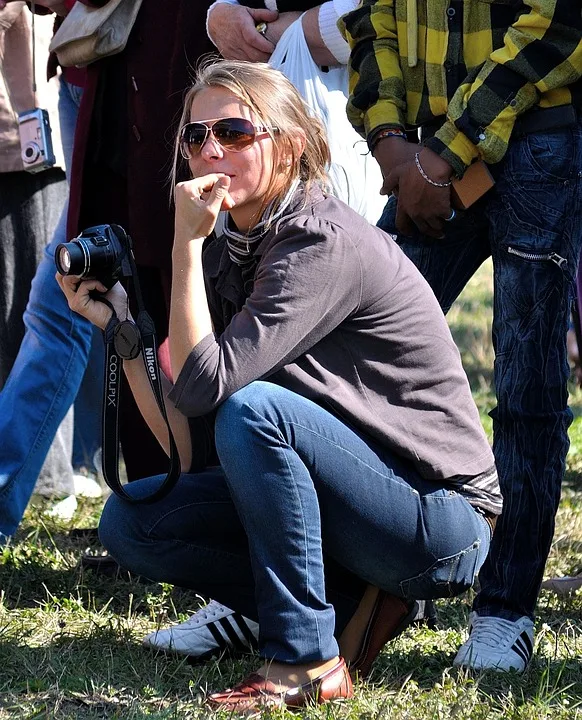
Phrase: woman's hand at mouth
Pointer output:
(198, 203)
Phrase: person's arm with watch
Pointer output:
(80, 300)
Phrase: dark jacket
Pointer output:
(127, 123)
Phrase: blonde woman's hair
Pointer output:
(276, 103)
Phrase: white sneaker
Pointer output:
(213, 630)
(496, 644)
(64, 509)
(86, 486)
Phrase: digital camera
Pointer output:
(99, 253)
(35, 140)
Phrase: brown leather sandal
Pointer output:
(257, 693)
(387, 617)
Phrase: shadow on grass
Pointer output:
(573, 480)
(32, 583)
(103, 674)
(542, 680)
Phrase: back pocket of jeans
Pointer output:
(447, 577)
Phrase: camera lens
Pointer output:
(72, 258)
(65, 260)
(31, 153)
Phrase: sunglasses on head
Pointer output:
(233, 134)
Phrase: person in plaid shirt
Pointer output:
(497, 81)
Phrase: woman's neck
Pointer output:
(247, 219)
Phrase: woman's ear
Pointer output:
(299, 142)
(294, 149)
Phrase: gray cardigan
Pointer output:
(339, 315)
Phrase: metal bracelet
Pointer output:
(426, 177)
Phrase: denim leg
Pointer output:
(40, 389)
(88, 406)
(46, 374)
(446, 264)
(534, 209)
(535, 214)
(69, 101)
(303, 483)
(87, 422)
(192, 538)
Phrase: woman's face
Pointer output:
(250, 170)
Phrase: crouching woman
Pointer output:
(352, 474)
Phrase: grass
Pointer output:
(70, 642)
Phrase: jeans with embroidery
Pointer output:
(530, 223)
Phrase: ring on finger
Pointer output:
(452, 216)
(261, 28)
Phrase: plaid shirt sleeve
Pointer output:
(377, 94)
(541, 55)
(542, 52)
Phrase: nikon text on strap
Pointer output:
(126, 340)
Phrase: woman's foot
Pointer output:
(277, 684)
(379, 618)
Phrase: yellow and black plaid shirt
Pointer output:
(475, 64)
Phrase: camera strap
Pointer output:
(143, 337)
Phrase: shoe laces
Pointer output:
(494, 632)
(208, 613)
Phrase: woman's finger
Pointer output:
(200, 185)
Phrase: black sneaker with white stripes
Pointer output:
(497, 644)
(213, 630)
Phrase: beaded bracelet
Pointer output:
(391, 132)
(426, 177)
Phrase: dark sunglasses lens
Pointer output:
(234, 133)
(193, 137)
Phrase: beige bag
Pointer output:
(91, 33)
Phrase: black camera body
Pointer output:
(99, 253)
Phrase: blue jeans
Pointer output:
(300, 498)
(531, 225)
(47, 372)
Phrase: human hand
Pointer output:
(78, 294)
(276, 28)
(389, 153)
(198, 203)
(232, 29)
(419, 202)
(57, 6)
